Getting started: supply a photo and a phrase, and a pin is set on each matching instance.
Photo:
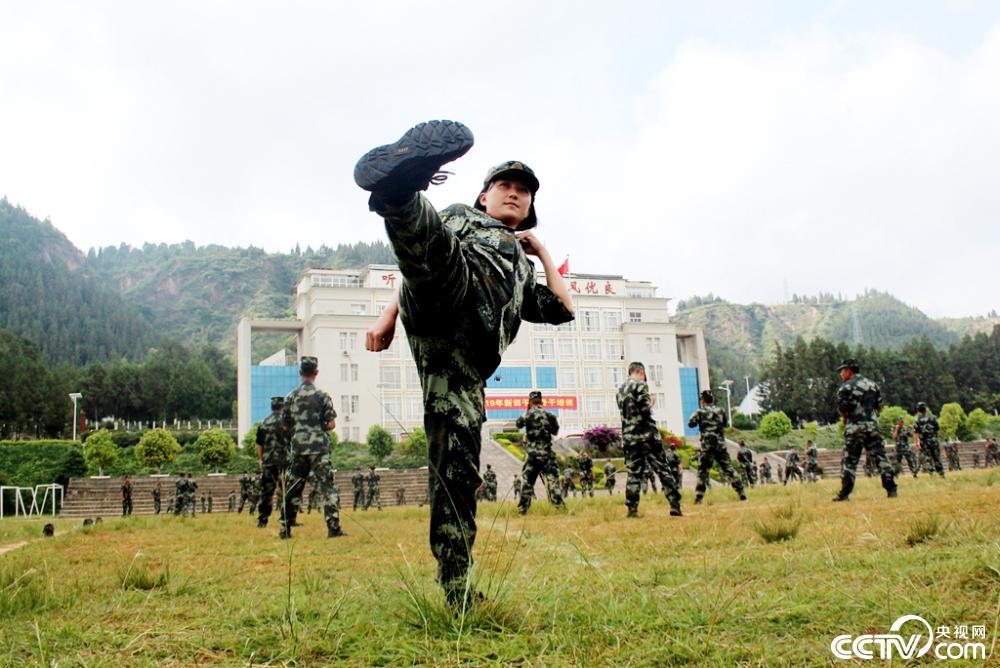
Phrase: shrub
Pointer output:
(125, 439)
(977, 422)
(775, 425)
(379, 442)
(743, 422)
(602, 437)
(415, 444)
(511, 436)
(889, 416)
(215, 448)
(156, 448)
(952, 421)
(250, 438)
(100, 451)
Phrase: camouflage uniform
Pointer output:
(926, 427)
(192, 494)
(711, 422)
(812, 463)
(313, 497)
(374, 490)
(859, 400)
(358, 483)
(903, 451)
(954, 462)
(400, 496)
(232, 502)
(244, 490)
(992, 453)
(170, 506)
(203, 505)
(156, 500)
(643, 445)
(748, 475)
(255, 488)
(609, 477)
(765, 472)
(467, 284)
(792, 468)
(539, 426)
(307, 412)
(567, 483)
(180, 492)
(272, 439)
(586, 465)
(126, 498)
(490, 484)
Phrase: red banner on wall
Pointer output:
(507, 403)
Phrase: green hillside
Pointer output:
(48, 295)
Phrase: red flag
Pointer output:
(564, 267)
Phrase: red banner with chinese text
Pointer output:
(507, 403)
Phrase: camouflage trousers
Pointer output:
(126, 506)
(243, 499)
(792, 471)
(359, 498)
(545, 466)
(586, 483)
(713, 452)
(645, 457)
(435, 295)
(273, 479)
(156, 506)
(374, 498)
(189, 503)
(320, 467)
(609, 484)
(812, 471)
(858, 438)
(930, 449)
(904, 452)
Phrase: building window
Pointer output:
(635, 316)
(544, 349)
(591, 321)
(660, 400)
(593, 377)
(335, 281)
(567, 326)
(345, 404)
(615, 350)
(567, 349)
(641, 293)
(354, 373)
(354, 403)
(656, 373)
(412, 377)
(393, 409)
(389, 376)
(617, 375)
(344, 369)
(348, 372)
(594, 406)
(612, 321)
(591, 349)
(652, 344)
(380, 307)
(415, 408)
(568, 378)
(348, 340)
(359, 309)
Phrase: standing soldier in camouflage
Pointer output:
(180, 493)
(902, 437)
(192, 494)
(209, 502)
(859, 401)
(926, 431)
(812, 462)
(244, 490)
(490, 483)
(586, 465)
(157, 492)
(203, 507)
(711, 422)
(765, 472)
(467, 284)
(170, 506)
(517, 487)
(992, 453)
(792, 468)
(954, 463)
(126, 497)
(358, 484)
(374, 489)
(400, 496)
(308, 415)
(272, 457)
(975, 460)
(609, 477)
(642, 442)
(232, 502)
(567, 483)
(744, 457)
(539, 427)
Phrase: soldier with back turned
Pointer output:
(859, 401)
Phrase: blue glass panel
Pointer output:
(267, 382)
(689, 396)
(545, 378)
(510, 378)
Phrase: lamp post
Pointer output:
(74, 396)
(727, 386)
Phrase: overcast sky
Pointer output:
(749, 149)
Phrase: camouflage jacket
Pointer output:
(812, 454)
(745, 456)
(859, 400)
(180, 487)
(156, 494)
(503, 288)
(244, 484)
(711, 422)
(903, 437)
(636, 408)
(926, 426)
(273, 441)
(127, 490)
(539, 427)
(373, 480)
(490, 478)
(765, 465)
(791, 459)
(358, 481)
(586, 465)
(306, 414)
(609, 470)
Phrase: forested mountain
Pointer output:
(49, 297)
(200, 292)
(740, 336)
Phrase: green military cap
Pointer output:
(534, 395)
(849, 363)
(308, 363)
(277, 402)
(516, 169)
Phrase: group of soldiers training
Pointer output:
(374, 494)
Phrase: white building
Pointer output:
(577, 366)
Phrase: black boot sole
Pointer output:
(408, 164)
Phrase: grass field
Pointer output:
(586, 587)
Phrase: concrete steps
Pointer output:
(505, 465)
